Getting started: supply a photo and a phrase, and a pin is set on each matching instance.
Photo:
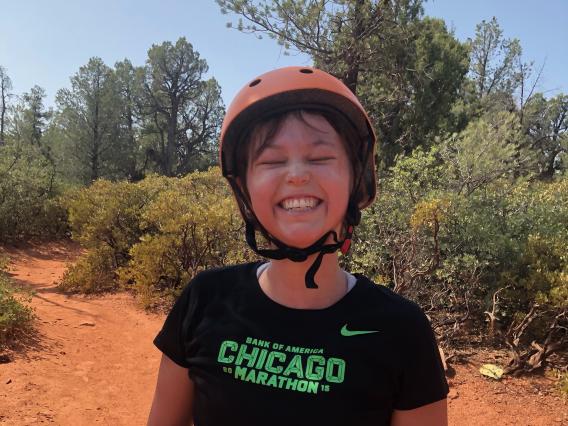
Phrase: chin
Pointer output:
(301, 241)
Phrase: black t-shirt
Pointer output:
(256, 362)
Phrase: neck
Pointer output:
(284, 281)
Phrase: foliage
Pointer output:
(487, 150)
(105, 218)
(454, 229)
(15, 315)
(407, 71)
(183, 112)
(94, 272)
(561, 381)
(5, 88)
(194, 226)
(410, 90)
(154, 235)
(28, 204)
(493, 60)
(87, 114)
(546, 124)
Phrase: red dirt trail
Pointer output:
(91, 361)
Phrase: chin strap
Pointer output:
(295, 254)
(283, 251)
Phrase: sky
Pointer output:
(45, 42)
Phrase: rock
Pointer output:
(9, 381)
(86, 323)
(453, 394)
(5, 359)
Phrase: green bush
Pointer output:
(29, 207)
(153, 236)
(94, 272)
(15, 315)
(451, 249)
(192, 226)
(106, 219)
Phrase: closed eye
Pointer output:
(271, 162)
(321, 159)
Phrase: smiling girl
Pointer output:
(297, 340)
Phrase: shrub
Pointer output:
(192, 226)
(15, 315)
(105, 219)
(94, 272)
(153, 236)
(28, 196)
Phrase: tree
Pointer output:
(338, 35)
(493, 62)
(180, 108)
(88, 115)
(129, 91)
(406, 71)
(198, 147)
(30, 118)
(411, 91)
(546, 124)
(487, 150)
(5, 87)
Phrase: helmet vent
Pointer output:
(255, 82)
(306, 71)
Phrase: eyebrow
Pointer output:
(317, 142)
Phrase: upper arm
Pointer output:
(173, 398)
(434, 414)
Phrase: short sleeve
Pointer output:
(171, 339)
(421, 374)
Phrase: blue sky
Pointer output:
(45, 42)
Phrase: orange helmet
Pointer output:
(287, 89)
(293, 88)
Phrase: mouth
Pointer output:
(299, 204)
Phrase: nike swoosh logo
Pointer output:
(346, 332)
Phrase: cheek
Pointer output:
(341, 180)
(260, 188)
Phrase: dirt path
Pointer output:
(93, 362)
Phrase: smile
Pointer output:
(299, 204)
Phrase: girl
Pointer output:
(297, 340)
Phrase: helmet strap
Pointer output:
(295, 254)
(284, 251)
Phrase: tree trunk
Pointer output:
(171, 143)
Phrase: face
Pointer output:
(299, 184)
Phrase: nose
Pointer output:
(298, 174)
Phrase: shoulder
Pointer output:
(403, 314)
(387, 299)
(222, 278)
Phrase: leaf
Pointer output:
(491, 370)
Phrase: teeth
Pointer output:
(299, 203)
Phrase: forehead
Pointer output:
(294, 129)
